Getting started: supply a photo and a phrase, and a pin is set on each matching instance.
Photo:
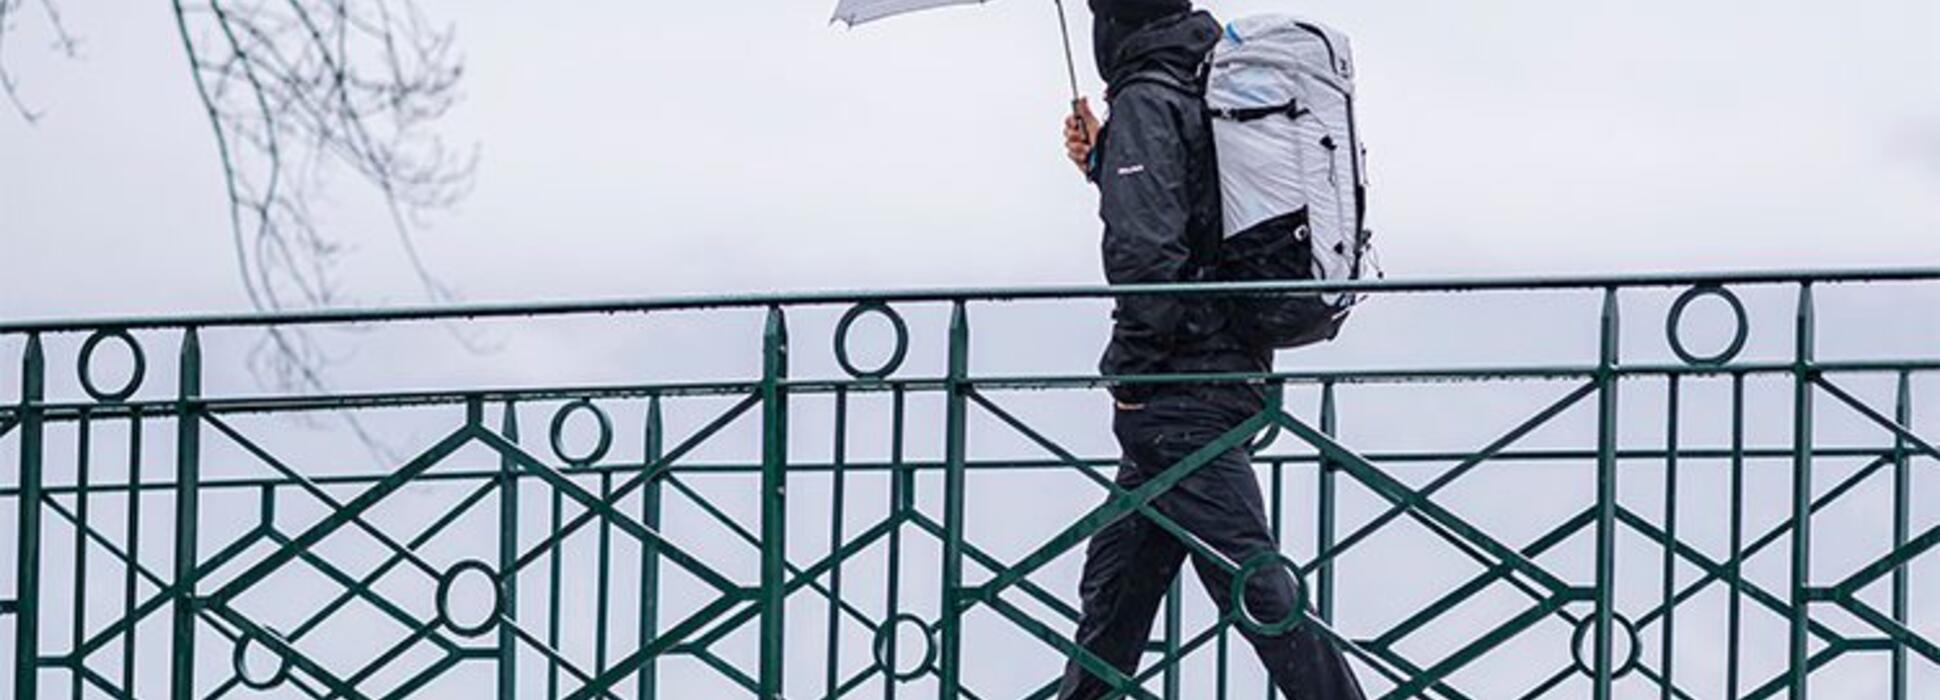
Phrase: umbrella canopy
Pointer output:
(854, 12)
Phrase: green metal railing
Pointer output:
(557, 569)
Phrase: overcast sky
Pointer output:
(640, 149)
(629, 149)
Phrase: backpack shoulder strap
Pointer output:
(1160, 78)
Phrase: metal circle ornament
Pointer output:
(136, 372)
(1674, 326)
(1630, 659)
(886, 638)
(450, 579)
(558, 434)
(240, 661)
(896, 355)
(1247, 620)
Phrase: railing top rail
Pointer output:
(832, 297)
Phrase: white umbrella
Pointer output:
(854, 12)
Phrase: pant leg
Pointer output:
(1222, 505)
(1129, 565)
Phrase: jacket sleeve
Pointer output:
(1145, 204)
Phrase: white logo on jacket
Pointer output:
(1132, 169)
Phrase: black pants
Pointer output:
(1130, 564)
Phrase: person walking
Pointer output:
(1158, 185)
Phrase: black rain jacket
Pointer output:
(1159, 199)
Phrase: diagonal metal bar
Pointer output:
(1898, 632)
(1191, 541)
(377, 664)
(95, 679)
(1377, 659)
(355, 590)
(849, 684)
(596, 506)
(1913, 440)
(1098, 667)
(992, 564)
(1117, 507)
(1566, 672)
(653, 471)
(728, 671)
(364, 501)
(1488, 452)
(371, 578)
(93, 535)
(1654, 676)
(809, 578)
(1783, 681)
(1423, 508)
(1713, 575)
(412, 685)
(162, 598)
(553, 657)
(1721, 571)
(1405, 669)
(1885, 565)
(668, 639)
(1757, 593)
(1482, 645)
(297, 659)
(315, 491)
(1555, 679)
(1500, 571)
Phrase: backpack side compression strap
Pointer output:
(1292, 109)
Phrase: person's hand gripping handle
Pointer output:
(1080, 132)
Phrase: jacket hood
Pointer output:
(1175, 45)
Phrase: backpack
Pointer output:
(1291, 176)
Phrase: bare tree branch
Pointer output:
(295, 90)
(64, 43)
(296, 87)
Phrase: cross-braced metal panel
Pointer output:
(1742, 521)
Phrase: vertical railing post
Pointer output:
(1735, 609)
(1667, 653)
(951, 621)
(902, 501)
(508, 557)
(132, 535)
(26, 675)
(1902, 510)
(603, 594)
(1606, 494)
(188, 473)
(838, 500)
(1802, 371)
(1330, 425)
(83, 484)
(774, 483)
(650, 556)
(1174, 621)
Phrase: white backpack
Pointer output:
(1291, 171)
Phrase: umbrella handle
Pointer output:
(1084, 128)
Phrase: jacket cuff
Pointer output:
(1132, 393)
